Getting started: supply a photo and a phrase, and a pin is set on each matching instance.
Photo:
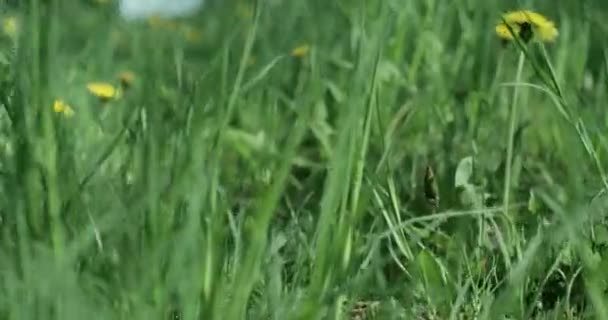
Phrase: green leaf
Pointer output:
(464, 171)
(601, 234)
(432, 279)
(278, 242)
(335, 91)
(533, 203)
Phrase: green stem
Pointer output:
(512, 127)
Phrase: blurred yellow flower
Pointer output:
(159, 22)
(103, 91)
(528, 25)
(10, 26)
(126, 78)
(59, 106)
(244, 9)
(192, 35)
(300, 51)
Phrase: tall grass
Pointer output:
(234, 179)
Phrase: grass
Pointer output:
(233, 179)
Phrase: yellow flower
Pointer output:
(300, 51)
(528, 25)
(156, 21)
(10, 26)
(103, 91)
(192, 35)
(244, 10)
(126, 78)
(61, 107)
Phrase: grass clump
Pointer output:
(303, 160)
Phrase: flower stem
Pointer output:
(512, 126)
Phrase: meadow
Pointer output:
(347, 159)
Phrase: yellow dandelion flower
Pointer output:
(103, 91)
(59, 106)
(528, 25)
(192, 35)
(159, 22)
(300, 51)
(10, 26)
(126, 78)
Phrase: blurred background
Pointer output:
(132, 9)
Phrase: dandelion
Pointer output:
(157, 21)
(59, 106)
(103, 91)
(10, 26)
(527, 25)
(126, 78)
(300, 51)
(192, 35)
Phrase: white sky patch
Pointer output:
(137, 9)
